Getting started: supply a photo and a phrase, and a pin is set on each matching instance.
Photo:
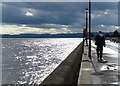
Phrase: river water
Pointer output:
(31, 60)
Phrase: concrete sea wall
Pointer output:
(68, 71)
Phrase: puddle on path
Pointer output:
(109, 67)
(115, 83)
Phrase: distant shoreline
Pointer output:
(72, 35)
(47, 35)
(41, 37)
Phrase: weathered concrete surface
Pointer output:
(85, 71)
(109, 71)
(67, 72)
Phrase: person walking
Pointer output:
(100, 42)
(85, 35)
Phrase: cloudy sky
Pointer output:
(56, 17)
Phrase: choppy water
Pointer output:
(31, 60)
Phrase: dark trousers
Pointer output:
(99, 52)
(86, 42)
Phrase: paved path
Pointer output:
(108, 73)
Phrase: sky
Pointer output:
(57, 17)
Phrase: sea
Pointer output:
(31, 60)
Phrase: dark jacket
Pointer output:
(100, 41)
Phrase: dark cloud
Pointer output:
(59, 13)
(69, 13)
(48, 26)
(104, 5)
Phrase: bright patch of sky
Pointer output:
(20, 29)
(29, 13)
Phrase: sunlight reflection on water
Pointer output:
(32, 60)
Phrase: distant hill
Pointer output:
(71, 35)
(65, 35)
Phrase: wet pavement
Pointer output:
(100, 73)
